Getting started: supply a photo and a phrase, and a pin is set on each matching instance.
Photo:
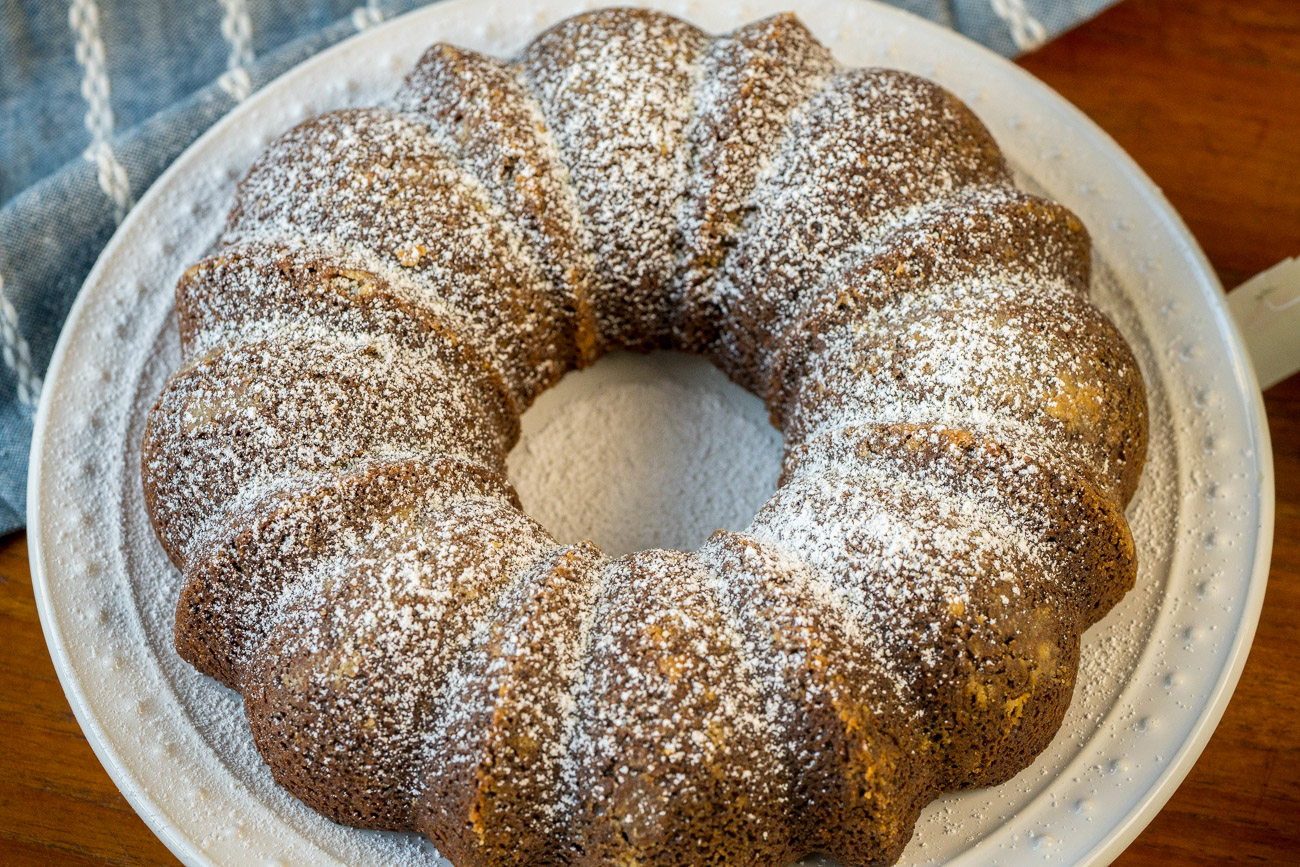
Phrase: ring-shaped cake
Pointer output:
(395, 285)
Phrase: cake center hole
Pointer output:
(645, 451)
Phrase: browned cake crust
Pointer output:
(395, 285)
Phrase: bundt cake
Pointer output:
(395, 285)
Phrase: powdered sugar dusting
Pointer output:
(902, 617)
(645, 439)
(615, 91)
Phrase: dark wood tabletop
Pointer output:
(1205, 95)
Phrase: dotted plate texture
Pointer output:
(1156, 673)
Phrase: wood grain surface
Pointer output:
(1205, 94)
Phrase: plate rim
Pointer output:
(1114, 841)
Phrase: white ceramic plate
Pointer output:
(1157, 673)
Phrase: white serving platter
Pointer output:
(1156, 673)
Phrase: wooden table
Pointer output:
(1197, 91)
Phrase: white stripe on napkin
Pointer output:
(17, 354)
(1027, 32)
(367, 16)
(237, 29)
(83, 18)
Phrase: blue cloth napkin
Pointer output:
(97, 97)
